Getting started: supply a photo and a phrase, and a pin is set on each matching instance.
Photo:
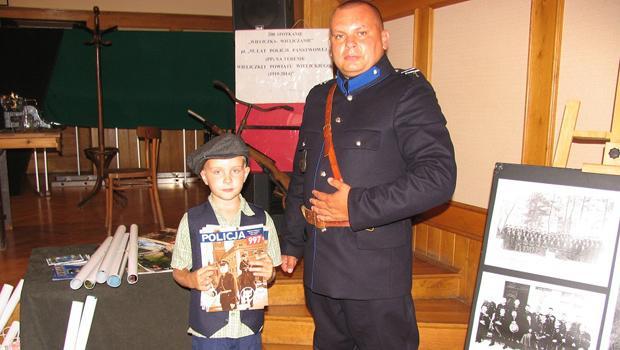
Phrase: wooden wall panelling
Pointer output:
(85, 142)
(56, 161)
(171, 153)
(127, 149)
(125, 19)
(298, 13)
(447, 248)
(475, 251)
(423, 40)
(542, 81)
(461, 260)
(434, 243)
(463, 219)
(452, 235)
(394, 9)
(420, 238)
(317, 13)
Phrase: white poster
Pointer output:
(273, 66)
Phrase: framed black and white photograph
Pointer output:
(611, 332)
(515, 313)
(548, 275)
(566, 232)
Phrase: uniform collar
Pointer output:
(370, 77)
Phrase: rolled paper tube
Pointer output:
(5, 294)
(93, 264)
(108, 259)
(11, 334)
(91, 281)
(132, 259)
(121, 271)
(114, 280)
(11, 304)
(73, 325)
(85, 322)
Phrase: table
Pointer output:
(9, 139)
(151, 314)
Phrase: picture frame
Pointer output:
(548, 274)
(4, 2)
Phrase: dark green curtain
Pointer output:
(149, 78)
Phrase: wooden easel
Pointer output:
(568, 135)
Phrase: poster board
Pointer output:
(278, 67)
(548, 275)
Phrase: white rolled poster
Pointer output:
(11, 334)
(85, 322)
(92, 265)
(108, 259)
(73, 325)
(132, 260)
(11, 304)
(5, 294)
(115, 272)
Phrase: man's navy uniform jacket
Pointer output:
(395, 152)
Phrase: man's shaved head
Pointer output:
(353, 3)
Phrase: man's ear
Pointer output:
(385, 39)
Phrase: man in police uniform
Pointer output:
(349, 206)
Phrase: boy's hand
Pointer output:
(201, 279)
(261, 265)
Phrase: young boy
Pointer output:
(223, 166)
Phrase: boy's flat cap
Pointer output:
(220, 147)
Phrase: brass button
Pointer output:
(303, 143)
(350, 97)
(358, 143)
(338, 120)
(323, 173)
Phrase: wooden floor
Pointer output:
(57, 221)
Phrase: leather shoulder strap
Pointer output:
(327, 134)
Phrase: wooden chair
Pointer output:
(134, 178)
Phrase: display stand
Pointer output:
(611, 157)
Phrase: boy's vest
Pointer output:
(208, 323)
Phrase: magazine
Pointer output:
(230, 250)
(64, 272)
(73, 259)
(153, 256)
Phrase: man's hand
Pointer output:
(332, 207)
(288, 263)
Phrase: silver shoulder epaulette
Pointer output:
(410, 71)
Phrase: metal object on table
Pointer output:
(21, 113)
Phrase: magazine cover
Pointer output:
(153, 256)
(64, 272)
(230, 250)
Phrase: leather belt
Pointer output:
(311, 218)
